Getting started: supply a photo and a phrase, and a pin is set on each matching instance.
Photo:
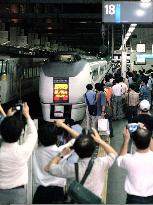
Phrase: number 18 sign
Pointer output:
(127, 12)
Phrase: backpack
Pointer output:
(80, 194)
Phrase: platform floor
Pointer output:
(116, 176)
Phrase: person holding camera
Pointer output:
(139, 166)
(144, 115)
(14, 156)
(84, 146)
(50, 189)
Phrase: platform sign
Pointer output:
(127, 12)
(61, 91)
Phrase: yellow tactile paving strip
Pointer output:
(101, 153)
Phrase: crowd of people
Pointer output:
(117, 98)
(62, 144)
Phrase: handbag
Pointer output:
(91, 108)
(80, 194)
(103, 126)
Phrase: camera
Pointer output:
(132, 127)
(18, 107)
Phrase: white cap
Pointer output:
(145, 105)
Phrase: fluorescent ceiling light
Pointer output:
(145, 1)
(133, 25)
(131, 30)
(128, 34)
(145, 4)
(140, 12)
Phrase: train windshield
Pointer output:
(67, 58)
(58, 69)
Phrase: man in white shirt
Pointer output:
(124, 87)
(50, 189)
(117, 105)
(14, 157)
(84, 146)
(139, 166)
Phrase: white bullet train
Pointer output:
(62, 85)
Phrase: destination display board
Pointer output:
(61, 91)
(127, 12)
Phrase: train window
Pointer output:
(3, 66)
(56, 69)
(101, 70)
(38, 71)
(34, 71)
(30, 72)
(25, 75)
(67, 58)
(95, 74)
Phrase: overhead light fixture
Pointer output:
(128, 34)
(133, 25)
(140, 12)
(145, 1)
(131, 29)
(83, 22)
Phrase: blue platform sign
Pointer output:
(127, 12)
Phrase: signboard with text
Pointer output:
(61, 91)
(127, 12)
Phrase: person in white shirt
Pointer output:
(124, 87)
(139, 166)
(50, 189)
(14, 157)
(117, 105)
(84, 146)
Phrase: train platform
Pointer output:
(113, 192)
(116, 176)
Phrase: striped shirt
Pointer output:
(132, 98)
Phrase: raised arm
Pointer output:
(57, 158)
(2, 111)
(124, 148)
(73, 133)
(108, 149)
(30, 136)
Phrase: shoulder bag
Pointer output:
(80, 194)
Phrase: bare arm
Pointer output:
(73, 133)
(151, 145)
(57, 158)
(124, 148)
(2, 111)
(108, 149)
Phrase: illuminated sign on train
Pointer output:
(61, 90)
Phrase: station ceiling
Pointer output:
(76, 23)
